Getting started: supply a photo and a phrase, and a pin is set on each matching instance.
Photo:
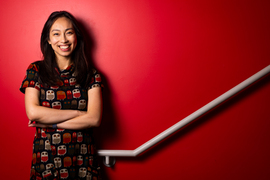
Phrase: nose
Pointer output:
(64, 39)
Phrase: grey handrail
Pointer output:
(183, 122)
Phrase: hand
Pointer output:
(40, 125)
(30, 123)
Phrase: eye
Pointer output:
(55, 34)
(70, 32)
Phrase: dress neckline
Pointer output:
(65, 72)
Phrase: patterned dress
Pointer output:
(62, 153)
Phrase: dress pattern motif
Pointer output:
(62, 153)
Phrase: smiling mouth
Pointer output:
(64, 47)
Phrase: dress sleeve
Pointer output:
(96, 80)
(31, 78)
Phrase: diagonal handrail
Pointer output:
(183, 122)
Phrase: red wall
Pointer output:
(161, 61)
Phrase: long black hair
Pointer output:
(83, 67)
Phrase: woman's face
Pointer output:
(62, 38)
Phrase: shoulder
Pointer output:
(31, 78)
(35, 66)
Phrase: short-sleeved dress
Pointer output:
(62, 153)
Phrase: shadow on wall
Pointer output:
(108, 128)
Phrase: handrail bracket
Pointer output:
(109, 161)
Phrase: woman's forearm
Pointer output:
(81, 122)
(46, 115)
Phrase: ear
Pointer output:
(49, 42)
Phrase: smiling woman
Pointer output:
(62, 38)
(63, 101)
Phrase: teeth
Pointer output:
(64, 47)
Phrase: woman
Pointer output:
(63, 100)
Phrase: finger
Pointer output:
(31, 125)
(38, 125)
(34, 125)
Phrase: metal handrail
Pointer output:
(109, 161)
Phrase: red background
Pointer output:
(161, 60)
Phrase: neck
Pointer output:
(63, 63)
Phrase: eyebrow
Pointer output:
(65, 30)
